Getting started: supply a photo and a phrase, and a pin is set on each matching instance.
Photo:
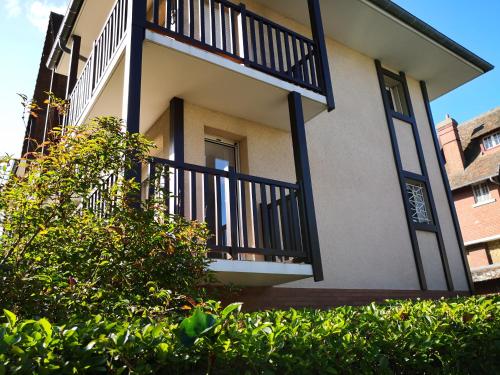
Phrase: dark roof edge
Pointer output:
(430, 32)
(64, 33)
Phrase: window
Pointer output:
(419, 202)
(491, 141)
(481, 193)
(396, 95)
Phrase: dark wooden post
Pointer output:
(177, 148)
(73, 64)
(446, 183)
(303, 173)
(321, 54)
(233, 211)
(133, 74)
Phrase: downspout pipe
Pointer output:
(64, 34)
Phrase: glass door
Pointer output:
(219, 154)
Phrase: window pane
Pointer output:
(396, 95)
(481, 193)
(419, 203)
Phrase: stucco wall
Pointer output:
(362, 227)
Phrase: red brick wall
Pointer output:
(481, 221)
(477, 256)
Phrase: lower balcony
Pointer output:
(257, 224)
(258, 235)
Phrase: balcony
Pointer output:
(212, 53)
(257, 224)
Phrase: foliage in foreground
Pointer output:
(61, 255)
(448, 336)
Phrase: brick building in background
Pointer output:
(472, 155)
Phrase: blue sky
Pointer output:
(472, 23)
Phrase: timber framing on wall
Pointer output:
(404, 175)
(446, 183)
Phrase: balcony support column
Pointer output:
(321, 55)
(73, 64)
(131, 105)
(177, 148)
(302, 170)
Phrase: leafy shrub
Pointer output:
(60, 255)
(459, 336)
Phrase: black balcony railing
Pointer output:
(103, 50)
(231, 30)
(245, 214)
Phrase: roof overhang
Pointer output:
(383, 30)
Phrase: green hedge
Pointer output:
(446, 336)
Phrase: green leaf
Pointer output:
(11, 317)
(47, 327)
(230, 308)
(193, 327)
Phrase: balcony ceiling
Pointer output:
(365, 27)
(172, 68)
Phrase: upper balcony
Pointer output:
(213, 53)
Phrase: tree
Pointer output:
(77, 238)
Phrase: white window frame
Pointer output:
(481, 193)
(491, 141)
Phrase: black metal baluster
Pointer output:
(286, 39)
(255, 215)
(180, 17)
(276, 241)
(262, 44)
(168, 15)
(271, 46)
(305, 72)
(234, 28)
(191, 18)
(312, 65)
(278, 48)
(285, 226)
(253, 37)
(243, 214)
(233, 211)
(212, 23)
(295, 222)
(220, 232)
(265, 217)
(193, 195)
(223, 26)
(202, 20)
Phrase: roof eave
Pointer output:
(433, 34)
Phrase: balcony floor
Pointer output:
(172, 68)
(248, 273)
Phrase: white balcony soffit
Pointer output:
(248, 273)
(173, 68)
(365, 27)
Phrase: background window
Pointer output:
(396, 95)
(481, 193)
(419, 202)
(491, 141)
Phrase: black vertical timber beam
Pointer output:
(303, 173)
(133, 74)
(73, 64)
(177, 147)
(430, 196)
(446, 183)
(318, 35)
(402, 183)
